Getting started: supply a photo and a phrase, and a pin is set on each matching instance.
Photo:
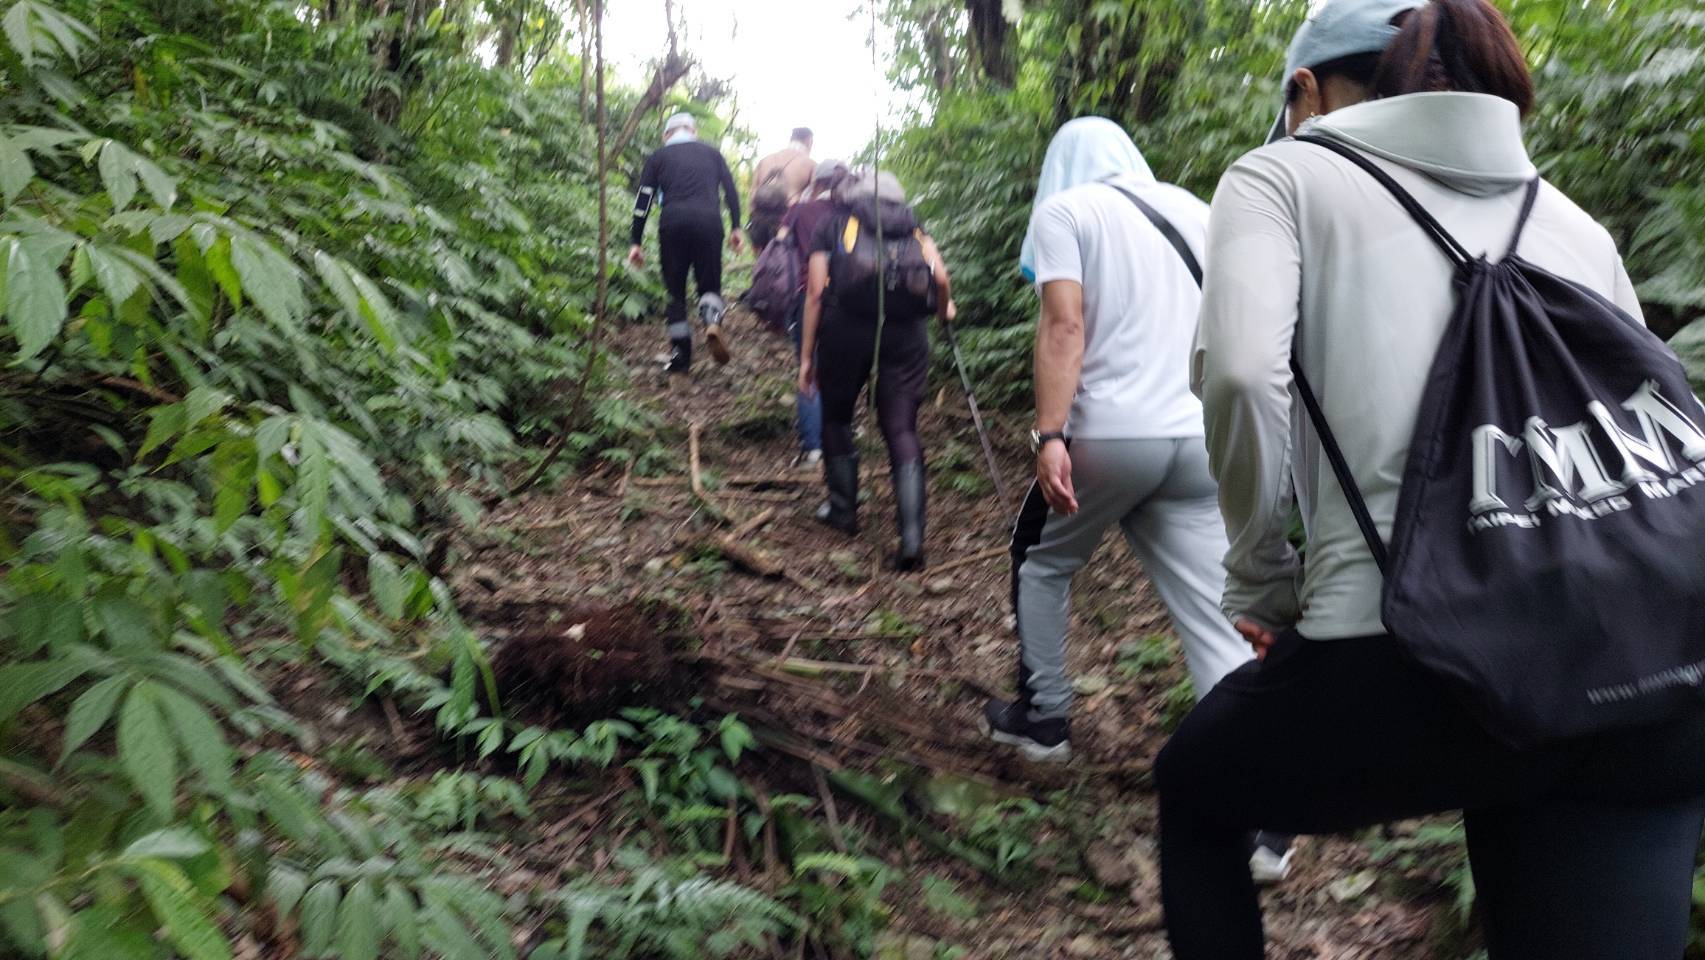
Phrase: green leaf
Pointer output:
(175, 843)
(376, 310)
(203, 402)
(161, 187)
(185, 914)
(402, 918)
(90, 713)
(336, 277)
(319, 916)
(358, 924)
(20, 33)
(118, 174)
(126, 623)
(16, 170)
(145, 748)
(285, 886)
(269, 280)
(199, 736)
(35, 299)
(449, 936)
(164, 423)
(119, 280)
(22, 684)
(271, 436)
(390, 587)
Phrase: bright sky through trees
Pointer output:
(791, 62)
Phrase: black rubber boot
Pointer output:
(840, 474)
(680, 354)
(909, 498)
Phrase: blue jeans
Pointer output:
(808, 409)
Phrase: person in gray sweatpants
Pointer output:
(1119, 438)
(1159, 493)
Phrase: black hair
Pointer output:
(1462, 45)
(1358, 68)
(802, 134)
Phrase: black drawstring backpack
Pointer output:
(1548, 553)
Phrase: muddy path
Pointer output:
(843, 665)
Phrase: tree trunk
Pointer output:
(598, 302)
(585, 55)
(989, 33)
(601, 298)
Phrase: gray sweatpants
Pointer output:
(1159, 492)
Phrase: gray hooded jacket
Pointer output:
(1302, 244)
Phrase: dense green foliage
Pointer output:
(1618, 127)
(282, 285)
(288, 288)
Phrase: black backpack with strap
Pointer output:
(890, 272)
(1547, 558)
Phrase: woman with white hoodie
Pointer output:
(1583, 850)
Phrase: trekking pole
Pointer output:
(977, 419)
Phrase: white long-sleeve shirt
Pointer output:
(1303, 244)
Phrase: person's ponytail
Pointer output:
(1461, 45)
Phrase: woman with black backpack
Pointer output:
(873, 280)
(1501, 604)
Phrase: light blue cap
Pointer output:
(1340, 28)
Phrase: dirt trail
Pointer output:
(849, 664)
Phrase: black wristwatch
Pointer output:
(1038, 439)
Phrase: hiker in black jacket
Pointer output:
(684, 177)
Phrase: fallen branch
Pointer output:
(804, 667)
(757, 521)
(748, 558)
(979, 557)
(695, 480)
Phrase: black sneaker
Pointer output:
(1041, 741)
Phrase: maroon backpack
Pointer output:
(777, 281)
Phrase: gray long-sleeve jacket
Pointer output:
(1301, 243)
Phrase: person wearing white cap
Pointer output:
(689, 179)
(1581, 850)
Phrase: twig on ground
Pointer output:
(978, 557)
(830, 812)
(622, 487)
(801, 666)
(695, 481)
(758, 520)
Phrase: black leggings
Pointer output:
(844, 348)
(1581, 851)
(693, 243)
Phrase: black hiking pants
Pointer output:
(1581, 851)
(846, 346)
(688, 243)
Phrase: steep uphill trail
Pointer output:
(847, 668)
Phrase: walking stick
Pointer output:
(977, 418)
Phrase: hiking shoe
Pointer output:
(717, 341)
(711, 309)
(1270, 857)
(809, 461)
(1040, 741)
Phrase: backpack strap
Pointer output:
(1340, 466)
(1166, 229)
(1454, 250)
(1521, 219)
